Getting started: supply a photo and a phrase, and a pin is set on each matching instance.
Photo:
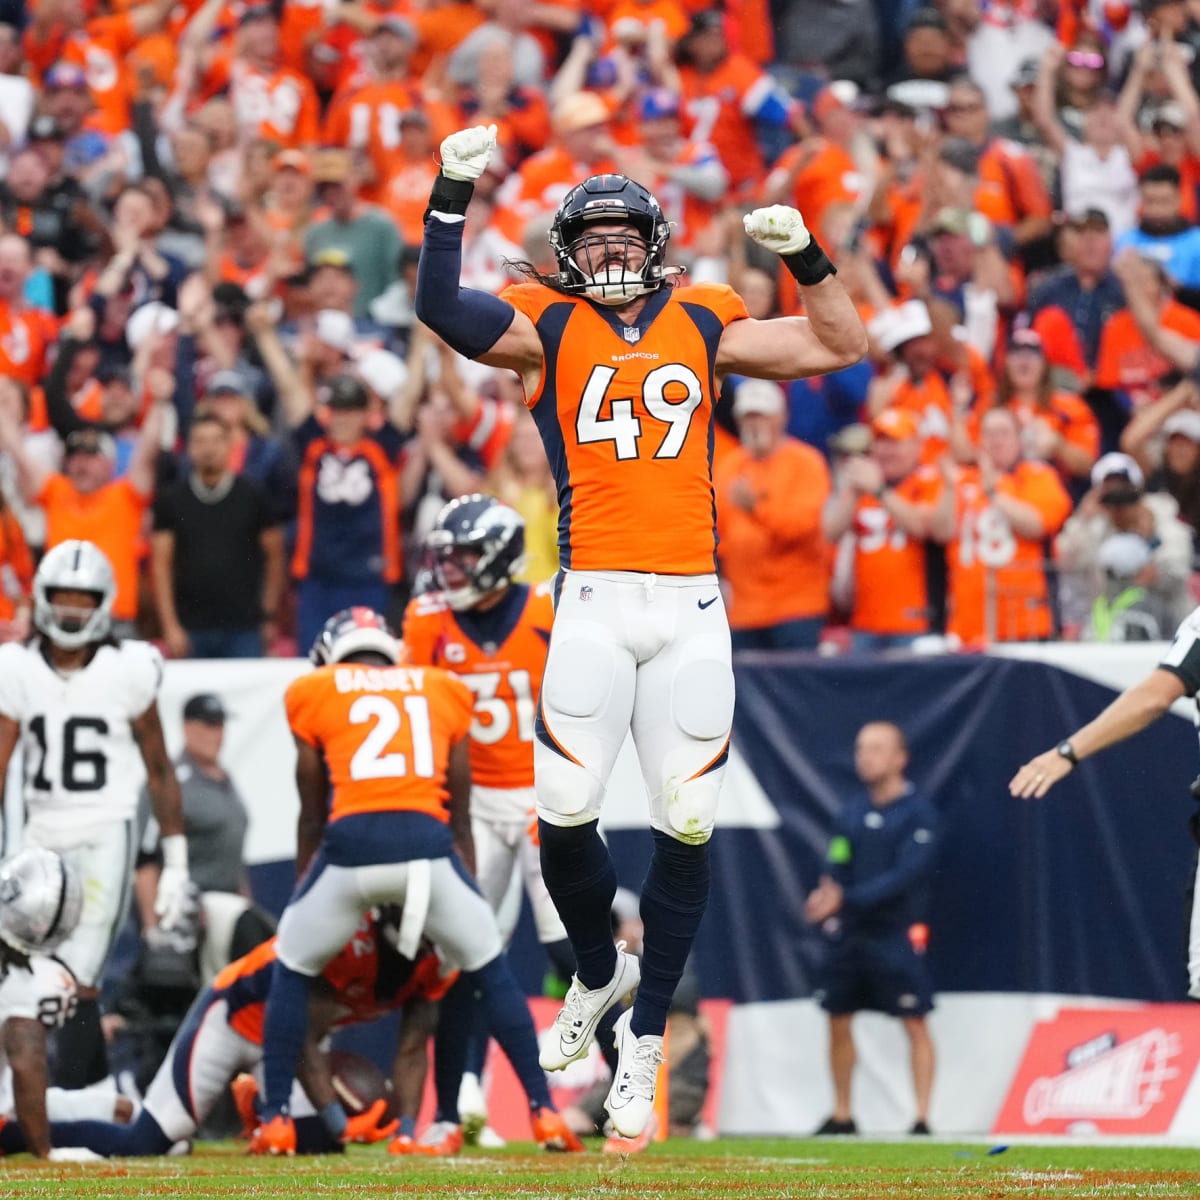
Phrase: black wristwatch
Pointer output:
(1067, 751)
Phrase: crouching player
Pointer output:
(222, 1036)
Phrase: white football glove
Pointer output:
(465, 154)
(777, 228)
(172, 901)
(73, 1154)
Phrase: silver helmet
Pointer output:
(74, 566)
(40, 900)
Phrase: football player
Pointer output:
(40, 902)
(493, 634)
(84, 708)
(222, 1037)
(384, 779)
(621, 370)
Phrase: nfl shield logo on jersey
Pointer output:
(585, 592)
(632, 334)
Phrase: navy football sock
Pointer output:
(455, 1015)
(142, 1139)
(511, 1025)
(674, 897)
(582, 882)
(285, 1023)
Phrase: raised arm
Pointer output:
(1045, 112)
(298, 400)
(830, 337)
(476, 324)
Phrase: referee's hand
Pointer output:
(1039, 775)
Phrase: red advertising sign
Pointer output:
(1103, 1070)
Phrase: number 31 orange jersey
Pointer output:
(625, 414)
(385, 733)
(500, 655)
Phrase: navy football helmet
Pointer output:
(485, 542)
(353, 631)
(609, 198)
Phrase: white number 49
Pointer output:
(622, 428)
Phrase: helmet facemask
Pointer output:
(607, 276)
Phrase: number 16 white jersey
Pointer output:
(82, 766)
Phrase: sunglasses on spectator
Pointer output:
(965, 106)
(1090, 59)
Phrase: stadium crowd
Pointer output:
(210, 365)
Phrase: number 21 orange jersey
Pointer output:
(625, 414)
(500, 655)
(385, 733)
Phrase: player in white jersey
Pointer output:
(83, 708)
(40, 902)
(1176, 676)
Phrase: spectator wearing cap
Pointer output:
(85, 501)
(769, 492)
(1163, 233)
(1008, 187)
(831, 167)
(903, 337)
(1070, 308)
(68, 99)
(81, 231)
(880, 514)
(739, 96)
(363, 116)
(288, 207)
(217, 566)
(582, 146)
(1057, 427)
(994, 519)
(114, 408)
(1021, 127)
(363, 232)
(215, 819)
(348, 526)
(1164, 440)
(1124, 558)
(333, 288)
(1094, 165)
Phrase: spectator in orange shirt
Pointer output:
(884, 505)
(995, 519)
(1056, 426)
(774, 561)
(86, 502)
(726, 96)
(1009, 188)
(405, 192)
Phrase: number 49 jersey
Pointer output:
(625, 414)
(500, 655)
(82, 765)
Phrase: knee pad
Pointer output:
(567, 792)
(702, 699)
(687, 811)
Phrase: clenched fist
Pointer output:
(465, 154)
(778, 228)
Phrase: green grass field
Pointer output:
(730, 1169)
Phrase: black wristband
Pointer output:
(450, 196)
(809, 265)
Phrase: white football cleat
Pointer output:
(630, 1100)
(571, 1035)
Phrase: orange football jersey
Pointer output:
(625, 414)
(505, 677)
(385, 732)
